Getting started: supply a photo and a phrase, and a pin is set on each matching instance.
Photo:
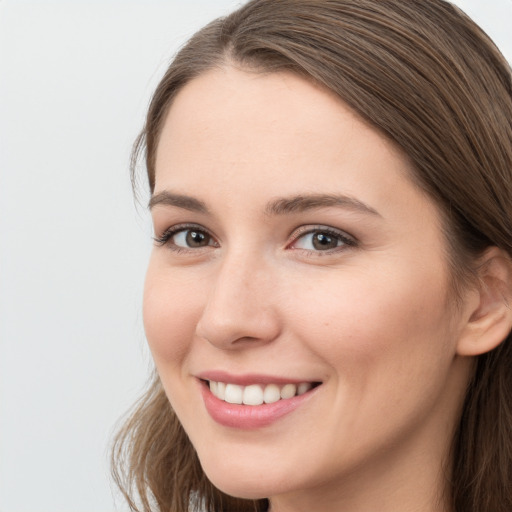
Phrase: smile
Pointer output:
(257, 394)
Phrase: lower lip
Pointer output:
(250, 416)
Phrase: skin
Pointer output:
(372, 319)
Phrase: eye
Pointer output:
(191, 238)
(186, 238)
(321, 239)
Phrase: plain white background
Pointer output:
(75, 79)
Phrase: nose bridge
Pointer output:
(239, 303)
(240, 267)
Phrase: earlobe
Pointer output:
(490, 320)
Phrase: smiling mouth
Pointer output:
(258, 394)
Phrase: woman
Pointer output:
(327, 298)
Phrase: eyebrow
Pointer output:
(167, 198)
(301, 203)
(278, 206)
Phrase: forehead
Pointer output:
(275, 134)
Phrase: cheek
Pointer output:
(388, 347)
(367, 325)
(169, 312)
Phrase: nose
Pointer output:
(239, 306)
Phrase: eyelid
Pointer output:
(347, 239)
(171, 231)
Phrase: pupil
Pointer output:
(197, 239)
(323, 241)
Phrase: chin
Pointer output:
(247, 483)
(248, 489)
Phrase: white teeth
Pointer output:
(253, 395)
(257, 394)
(234, 394)
(271, 394)
(304, 387)
(221, 390)
(288, 391)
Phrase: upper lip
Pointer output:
(248, 378)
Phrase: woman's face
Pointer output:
(295, 257)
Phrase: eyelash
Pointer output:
(346, 240)
(167, 235)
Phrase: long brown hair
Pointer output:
(429, 79)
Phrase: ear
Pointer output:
(490, 315)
